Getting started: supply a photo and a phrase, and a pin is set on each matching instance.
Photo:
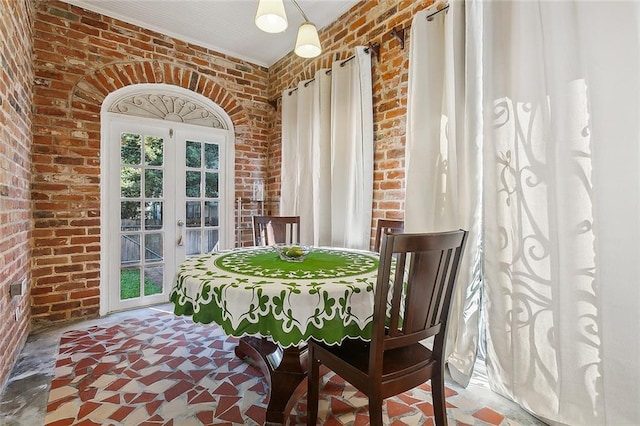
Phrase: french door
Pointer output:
(163, 204)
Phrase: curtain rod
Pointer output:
(374, 49)
(306, 83)
(430, 17)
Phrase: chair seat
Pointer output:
(397, 363)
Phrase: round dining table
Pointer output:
(275, 306)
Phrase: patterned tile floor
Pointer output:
(151, 368)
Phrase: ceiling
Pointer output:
(225, 26)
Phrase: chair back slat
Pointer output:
(386, 226)
(416, 278)
(395, 314)
(440, 286)
(270, 230)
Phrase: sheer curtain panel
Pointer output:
(443, 163)
(546, 122)
(562, 208)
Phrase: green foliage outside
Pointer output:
(130, 285)
(137, 151)
(131, 154)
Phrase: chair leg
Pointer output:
(439, 402)
(313, 385)
(375, 410)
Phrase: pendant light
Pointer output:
(271, 17)
(308, 42)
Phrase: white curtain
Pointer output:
(560, 182)
(289, 166)
(321, 168)
(327, 154)
(352, 152)
(298, 138)
(562, 208)
(306, 134)
(442, 161)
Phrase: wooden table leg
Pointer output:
(284, 371)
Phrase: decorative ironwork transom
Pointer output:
(170, 108)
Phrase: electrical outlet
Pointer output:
(18, 288)
(15, 289)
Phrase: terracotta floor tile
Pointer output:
(153, 377)
(119, 383)
(63, 422)
(225, 389)
(152, 407)
(179, 375)
(114, 399)
(87, 422)
(203, 397)
(396, 409)
(86, 408)
(426, 408)
(58, 383)
(225, 403)
(338, 406)
(256, 413)
(488, 415)
(409, 399)
(206, 417)
(233, 415)
(144, 397)
(121, 413)
(198, 375)
(177, 390)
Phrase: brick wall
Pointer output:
(16, 73)
(369, 22)
(79, 58)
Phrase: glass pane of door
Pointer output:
(142, 172)
(202, 196)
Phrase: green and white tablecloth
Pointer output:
(252, 292)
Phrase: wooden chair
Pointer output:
(395, 361)
(385, 225)
(270, 230)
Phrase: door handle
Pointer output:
(180, 222)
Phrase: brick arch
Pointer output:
(91, 90)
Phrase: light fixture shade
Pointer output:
(308, 42)
(271, 17)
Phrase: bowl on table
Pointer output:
(292, 252)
